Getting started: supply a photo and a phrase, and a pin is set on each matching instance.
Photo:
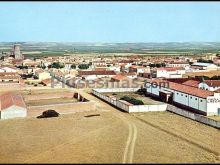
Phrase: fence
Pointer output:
(194, 116)
(125, 105)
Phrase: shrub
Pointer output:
(49, 113)
(83, 66)
(132, 100)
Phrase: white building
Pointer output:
(170, 72)
(193, 99)
(42, 75)
(92, 75)
(211, 85)
(204, 66)
(7, 69)
(11, 106)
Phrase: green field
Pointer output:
(44, 49)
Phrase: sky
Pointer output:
(110, 22)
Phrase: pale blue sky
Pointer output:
(110, 21)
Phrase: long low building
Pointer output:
(193, 99)
(12, 105)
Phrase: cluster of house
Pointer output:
(119, 71)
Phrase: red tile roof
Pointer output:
(129, 74)
(186, 89)
(120, 77)
(171, 68)
(8, 66)
(100, 69)
(106, 72)
(9, 77)
(8, 73)
(9, 99)
(39, 71)
(192, 83)
(212, 83)
(46, 81)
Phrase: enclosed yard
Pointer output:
(50, 101)
(146, 100)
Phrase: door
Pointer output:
(219, 111)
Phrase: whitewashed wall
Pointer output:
(212, 107)
(13, 112)
(122, 104)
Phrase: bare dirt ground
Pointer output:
(50, 101)
(112, 137)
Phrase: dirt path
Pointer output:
(130, 144)
(132, 129)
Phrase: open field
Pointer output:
(101, 139)
(146, 100)
(112, 137)
(50, 101)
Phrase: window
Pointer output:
(191, 97)
(200, 100)
(181, 94)
(186, 95)
(177, 93)
(195, 98)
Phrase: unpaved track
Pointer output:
(132, 129)
(130, 144)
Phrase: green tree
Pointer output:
(83, 66)
(56, 65)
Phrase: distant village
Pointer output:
(194, 83)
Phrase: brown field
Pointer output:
(112, 137)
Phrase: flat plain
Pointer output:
(112, 137)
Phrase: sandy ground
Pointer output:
(112, 137)
(50, 101)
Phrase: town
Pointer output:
(186, 87)
(193, 83)
(106, 83)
